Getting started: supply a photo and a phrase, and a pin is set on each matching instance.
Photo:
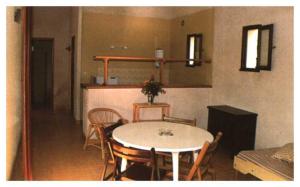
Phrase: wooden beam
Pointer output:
(105, 71)
(113, 58)
(161, 71)
(144, 59)
(197, 62)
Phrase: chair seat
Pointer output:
(109, 129)
(139, 172)
(183, 156)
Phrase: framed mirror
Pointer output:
(194, 49)
(257, 48)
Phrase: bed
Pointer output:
(260, 164)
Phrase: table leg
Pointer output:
(137, 115)
(175, 164)
(168, 111)
(195, 155)
(134, 113)
(123, 164)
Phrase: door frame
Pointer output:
(72, 73)
(26, 92)
(52, 64)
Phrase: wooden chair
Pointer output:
(206, 166)
(109, 153)
(190, 122)
(180, 120)
(195, 167)
(203, 164)
(101, 117)
(139, 160)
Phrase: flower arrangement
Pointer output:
(152, 88)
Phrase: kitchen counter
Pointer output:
(99, 86)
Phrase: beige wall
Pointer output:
(165, 12)
(54, 22)
(142, 35)
(200, 22)
(13, 88)
(268, 93)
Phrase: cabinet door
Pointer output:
(220, 121)
(228, 121)
(213, 122)
(244, 133)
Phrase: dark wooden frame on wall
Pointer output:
(188, 48)
(258, 59)
(270, 46)
(244, 48)
(26, 130)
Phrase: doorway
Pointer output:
(42, 73)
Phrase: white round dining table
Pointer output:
(163, 137)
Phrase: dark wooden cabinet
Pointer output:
(238, 127)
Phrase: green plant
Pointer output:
(152, 88)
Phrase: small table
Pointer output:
(165, 109)
(146, 135)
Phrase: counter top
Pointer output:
(98, 86)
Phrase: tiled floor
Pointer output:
(57, 152)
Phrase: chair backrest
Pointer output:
(103, 115)
(136, 156)
(198, 161)
(104, 135)
(211, 150)
(191, 122)
(132, 154)
(205, 155)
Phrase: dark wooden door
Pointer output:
(42, 73)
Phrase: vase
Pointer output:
(150, 99)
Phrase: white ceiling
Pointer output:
(157, 12)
